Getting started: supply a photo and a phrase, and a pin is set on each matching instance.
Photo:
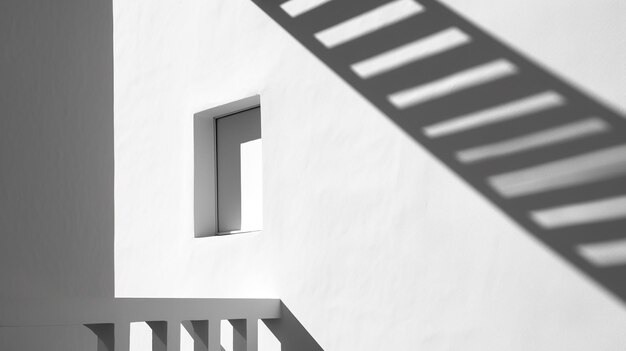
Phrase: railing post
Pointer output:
(122, 336)
(245, 334)
(215, 331)
(252, 334)
(173, 336)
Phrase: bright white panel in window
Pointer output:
(251, 185)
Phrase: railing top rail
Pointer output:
(47, 312)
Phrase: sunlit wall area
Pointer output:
(369, 240)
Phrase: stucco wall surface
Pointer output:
(368, 239)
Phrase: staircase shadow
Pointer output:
(548, 155)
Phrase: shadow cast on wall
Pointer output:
(548, 155)
(291, 333)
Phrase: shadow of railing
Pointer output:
(291, 333)
(548, 155)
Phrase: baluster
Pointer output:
(122, 336)
(215, 327)
(173, 336)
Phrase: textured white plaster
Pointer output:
(371, 242)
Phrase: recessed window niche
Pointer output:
(228, 177)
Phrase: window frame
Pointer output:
(205, 165)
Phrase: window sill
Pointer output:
(238, 232)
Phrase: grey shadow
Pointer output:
(291, 333)
(602, 181)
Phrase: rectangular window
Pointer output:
(239, 175)
(228, 177)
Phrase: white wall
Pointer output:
(371, 242)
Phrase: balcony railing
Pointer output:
(110, 319)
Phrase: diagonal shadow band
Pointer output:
(549, 156)
(291, 333)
